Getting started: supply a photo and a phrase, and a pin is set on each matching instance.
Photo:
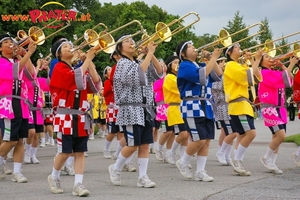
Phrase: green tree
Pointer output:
(267, 34)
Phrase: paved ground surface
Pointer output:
(169, 182)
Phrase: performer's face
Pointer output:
(191, 54)
(108, 71)
(7, 47)
(128, 46)
(267, 61)
(175, 65)
(66, 51)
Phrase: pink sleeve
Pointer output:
(44, 85)
(276, 79)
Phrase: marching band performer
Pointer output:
(194, 82)
(134, 95)
(271, 91)
(14, 108)
(236, 80)
(69, 88)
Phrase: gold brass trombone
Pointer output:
(36, 34)
(105, 40)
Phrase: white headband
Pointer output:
(5, 38)
(188, 42)
(105, 70)
(230, 47)
(64, 42)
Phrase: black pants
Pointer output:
(292, 110)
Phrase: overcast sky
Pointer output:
(283, 15)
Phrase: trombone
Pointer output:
(105, 40)
(36, 34)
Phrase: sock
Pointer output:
(33, 152)
(43, 140)
(121, 160)
(107, 144)
(269, 153)
(17, 167)
(70, 161)
(159, 147)
(143, 166)
(175, 145)
(182, 150)
(219, 147)
(154, 145)
(240, 152)
(234, 153)
(186, 159)
(129, 160)
(119, 148)
(27, 148)
(1, 160)
(274, 158)
(201, 162)
(224, 147)
(228, 151)
(298, 152)
(78, 178)
(55, 173)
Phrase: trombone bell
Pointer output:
(106, 42)
(91, 35)
(36, 35)
(224, 34)
(163, 31)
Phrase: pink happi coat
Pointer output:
(161, 106)
(272, 96)
(8, 73)
(43, 86)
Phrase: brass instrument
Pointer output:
(36, 35)
(46, 59)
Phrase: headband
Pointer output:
(230, 47)
(104, 71)
(184, 44)
(5, 38)
(63, 42)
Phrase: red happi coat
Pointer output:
(69, 89)
(296, 88)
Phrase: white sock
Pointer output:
(107, 144)
(27, 148)
(119, 148)
(274, 158)
(43, 140)
(298, 152)
(55, 173)
(269, 153)
(154, 145)
(121, 160)
(224, 147)
(228, 151)
(17, 167)
(175, 145)
(143, 166)
(219, 147)
(182, 150)
(159, 147)
(129, 160)
(78, 178)
(33, 152)
(185, 159)
(240, 152)
(70, 161)
(1, 160)
(201, 162)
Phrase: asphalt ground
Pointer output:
(170, 184)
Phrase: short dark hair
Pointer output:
(178, 48)
(56, 38)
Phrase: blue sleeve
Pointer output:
(52, 64)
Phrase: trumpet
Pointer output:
(36, 34)
(105, 40)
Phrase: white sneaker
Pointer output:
(102, 135)
(221, 158)
(7, 170)
(2, 172)
(19, 177)
(276, 170)
(69, 170)
(267, 163)
(152, 150)
(170, 157)
(202, 176)
(184, 169)
(52, 143)
(115, 176)
(106, 154)
(91, 137)
(27, 159)
(34, 160)
(43, 144)
(128, 167)
(47, 142)
(296, 159)
(145, 182)
(247, 173)
(55, 185)
(86, 154)
(159, 155)
(79, 190)
(113, 157)
(229, 161)
(238, 166)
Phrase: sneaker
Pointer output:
(267, 163)
(52, 143)
(102, 135)
(145, 182)
(7, 170)
(43, 144)
(229, 161)
(34, 160)
(19, 177)
(202, 176)
(238, 166)
(221, 158)
(79, 190)
(184, 169)
(55, 185)
(69, 170)
(276, 170)
(152, 150)
(2, 172)
(106, 154)
(170, 157)
(27, 159)
(247, 173)
(115, 176)
(86, 154)
(47, 142)
(128, 167)
(159, 155)
(190, 166)
(113, 157)
(296, 159)
(91, 137)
